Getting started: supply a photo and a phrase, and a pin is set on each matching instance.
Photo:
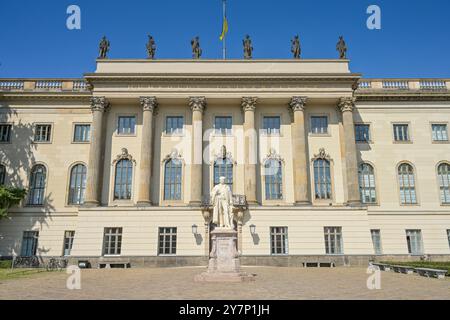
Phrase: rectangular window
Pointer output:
(440, 132)
(319, 125)
(376, 240)
(401, 132)
(43, 133)
(82, 133)
(448, 236)
(174, 125)
(68, 242)
(362, 133)
(29, 243)
(414, 240)
(333, 240)
(167, 241)
(279, 240)
(5, 133)
(126, 125)
(112, 242)
(272, 125)
(223, 125)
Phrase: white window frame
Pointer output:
(10, 126)
(108, 233)
(52, 132)
(377, 246)
(337, 233)
(282, 232)
(418, 249)
(170, 232)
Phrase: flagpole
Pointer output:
(224, 38)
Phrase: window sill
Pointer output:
(123, 135)
(402, 142)
(41, 142)
(319, 135)
(220, 135)
(170, 135)
(364, 142)
(265, 134)
(76, 142)
(440, 142)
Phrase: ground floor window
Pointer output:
(279, 240)
(376, 239)
(68, 242)
(448, 236)
(167, 241)
(112, 241)
(414, 240)
(29, 243)
(333, 240)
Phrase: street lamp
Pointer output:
(195, 229)
(253, 229)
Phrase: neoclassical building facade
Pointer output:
(323, 165)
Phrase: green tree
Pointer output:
(10, 197)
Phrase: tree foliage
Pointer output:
(10, 197)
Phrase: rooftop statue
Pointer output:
(342, 48)
(295, 48)
(151, 48)
(248, 48)
(196, 50)
(104, 48)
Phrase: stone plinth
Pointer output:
(224, 262)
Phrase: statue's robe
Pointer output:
(221, 198)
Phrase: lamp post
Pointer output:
(194, 229)
(253, 229)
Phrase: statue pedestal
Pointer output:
(224, 263)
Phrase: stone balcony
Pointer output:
(43, 85)
(424, 85)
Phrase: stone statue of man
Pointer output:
(342, 48)
(222, 201)
(104, 48)
(295, 48)
(196, 50)
(248, 48)
(151, 48)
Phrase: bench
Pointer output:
(432, 273)
(319, 264)
(382, 266)
(403, 269)
(108, 264)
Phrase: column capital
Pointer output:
(99, 104)
(249, 103)
(347, 104)
(197, 103)
(149, 103)
(298, 103)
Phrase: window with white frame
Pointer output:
(42, 133)
(174, 124)
(223, 125)
(401, 133)
(172, 179)
(2, 175)
(440, 132)
(273, 176)
(167, 241)
(414, 240)
(333, 240)
(5, 133)
(362, 133)
(123, 180)
(223, 168)
(279, 240)
(77, 185)
(271, 125)
(36, 192)
(82, 133)
(319, 124)
(376, 240)
(407, 184)
(322, 179)
(448, 236)
(112, 241)
(444, 182)
(29, 243)
(69, 236)
(126, 125)
(367, 185)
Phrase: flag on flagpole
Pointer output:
(225, 23)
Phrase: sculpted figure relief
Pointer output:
(104, 48)
(222, 201)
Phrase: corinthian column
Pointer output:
(198, 105)
(99, 106)
(149, 105)
(301, 194)
(347, 105)
(250, 148)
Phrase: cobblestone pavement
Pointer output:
(271, 283)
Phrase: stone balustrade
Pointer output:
(404, 84)
(43, 85)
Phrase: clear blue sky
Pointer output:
(414, 40)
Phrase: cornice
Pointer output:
(84, 97)
(413, 96)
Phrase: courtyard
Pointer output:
(178, 284)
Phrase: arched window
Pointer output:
(37, 185)
(2, 175)
(77, 185)
(367, 185)
(407, 184)
(273, 174)
(123, 180)
(223, 168)
(444, 182)
(172, 179)
(322, 179)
